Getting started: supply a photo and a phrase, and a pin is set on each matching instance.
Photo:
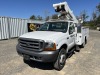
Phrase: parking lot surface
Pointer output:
(85, 62)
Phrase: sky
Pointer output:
(26, 8)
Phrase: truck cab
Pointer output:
(50, 43)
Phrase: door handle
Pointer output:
(67, 37)
(71, 35)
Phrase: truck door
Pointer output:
(71, 39)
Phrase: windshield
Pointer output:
(54, 26)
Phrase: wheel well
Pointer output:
(64, 46)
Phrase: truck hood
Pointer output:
(43, 35)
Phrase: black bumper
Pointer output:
(44, 56)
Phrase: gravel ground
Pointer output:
(85, 62)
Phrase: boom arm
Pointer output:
(64, 10)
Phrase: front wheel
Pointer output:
(60, 62)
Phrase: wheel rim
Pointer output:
(62, 59)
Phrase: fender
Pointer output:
(61, 43)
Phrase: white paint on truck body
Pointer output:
(82, 36)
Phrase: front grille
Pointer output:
(31, 44)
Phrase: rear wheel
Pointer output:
(60, 62)
(77, 48)
(83, 45)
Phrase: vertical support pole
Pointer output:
(8, 27)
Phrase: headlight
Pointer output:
(50, 46)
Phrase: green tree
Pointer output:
(98, 13)
(47, 18)
(84, 16)
(94, 16)
(98, 20)
(94, 19)
(33, 17)
(54, 16)
(39, 17)
(98, 7)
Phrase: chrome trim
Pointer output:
(31, 44)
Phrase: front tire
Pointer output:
(60, 62)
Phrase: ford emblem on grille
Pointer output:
(31, 44)
(27, 44)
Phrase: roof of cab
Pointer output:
(58, 20)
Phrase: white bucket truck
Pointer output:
(55, 39)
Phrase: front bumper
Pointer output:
(43, 56)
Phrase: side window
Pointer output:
(71, 28)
